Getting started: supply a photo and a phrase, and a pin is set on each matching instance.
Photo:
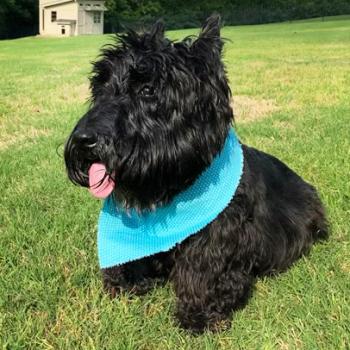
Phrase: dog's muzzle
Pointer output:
(79, 154)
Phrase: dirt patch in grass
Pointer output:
(345, 266)
(19, 138)
(283, 125)
(248, 109)
(79, 93)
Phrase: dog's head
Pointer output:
(160, 112)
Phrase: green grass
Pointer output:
(50, 288)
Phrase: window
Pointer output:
(97, 17)
(53, 16)
(63, 30)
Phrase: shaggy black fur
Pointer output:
(160, 112)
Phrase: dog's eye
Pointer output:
(147, 91)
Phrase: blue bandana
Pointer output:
(127, 236)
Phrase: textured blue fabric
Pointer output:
(123, 237)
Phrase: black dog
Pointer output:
(160, 113)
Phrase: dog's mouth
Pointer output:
(86, 166)
(101, 183)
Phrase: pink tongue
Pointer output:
(100, 184)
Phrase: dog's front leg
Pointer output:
(207, 295)
(137, 277)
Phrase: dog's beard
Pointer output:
(154, 171)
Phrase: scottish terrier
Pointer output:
(159, 124)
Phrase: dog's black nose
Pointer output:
(84, 138)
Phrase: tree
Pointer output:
(18, 18)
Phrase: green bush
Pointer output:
(179, 14)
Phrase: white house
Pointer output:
(71, 17)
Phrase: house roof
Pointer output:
(56, 2)
(87, 7)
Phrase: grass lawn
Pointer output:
(291, 83)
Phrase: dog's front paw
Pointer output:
(114, 281)
(122, 279)
(114, 289)
(200, 321)
(111, 287)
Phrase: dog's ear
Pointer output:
(157, 31)
(211, 27)
(209, 40)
